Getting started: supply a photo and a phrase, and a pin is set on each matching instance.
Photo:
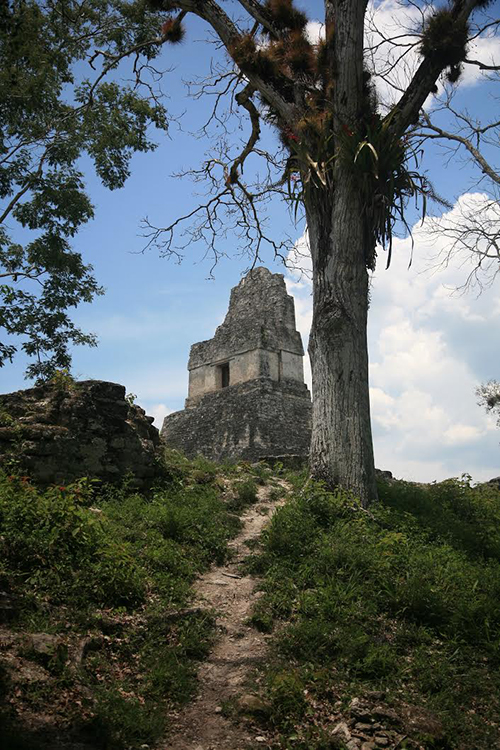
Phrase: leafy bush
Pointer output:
(286, 690)
(467, 517)
(174, 533)
(404, 596)
(123, 721)
(56, 547)
(261, 472)
(172, 671)
(116, 566)
(245, 495)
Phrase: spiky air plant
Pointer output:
(285, 15)
(299, 55)
(322, 62)
(173, 30)
(380, 165)
(251, 59)
(284, 61)
(310, 142)
(454, 72)
(445, 41)
(312, 153)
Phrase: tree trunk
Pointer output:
(341, 446)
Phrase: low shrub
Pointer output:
(245, 494)
(123, 721)
(403, 597)
(114, 566)
(467, 517)
(286, 692)
(56, 547)
(261, 473)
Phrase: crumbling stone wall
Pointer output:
(59, 433)
(247, 396)
(258, 338)
(260, 419)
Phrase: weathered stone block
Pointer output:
(247, 396)
(249, 421)
(87, 429)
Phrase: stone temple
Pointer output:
(247, 397)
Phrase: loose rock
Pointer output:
(252, 704)
(61, 433)
(342, 730)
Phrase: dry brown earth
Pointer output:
(224, 676)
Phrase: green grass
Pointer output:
(117, 566)
(403, 598)
(245, 494)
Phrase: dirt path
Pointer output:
(201, 726)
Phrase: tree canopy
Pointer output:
(56, 108)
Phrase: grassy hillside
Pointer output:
(384, 622)
(397, 606)
(99, 637)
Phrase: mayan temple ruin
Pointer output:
(247, 396)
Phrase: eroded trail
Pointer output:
(201, 725)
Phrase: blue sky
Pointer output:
(428, 347)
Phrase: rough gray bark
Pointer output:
(341, 446)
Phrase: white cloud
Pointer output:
(394, 62)
(384, 408)
(429, 349)
(459, 434)
(315, 31)
(159, 412)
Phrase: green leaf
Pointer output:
(49, 119)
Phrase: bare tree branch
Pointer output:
(244, 99)
(229, 34)
(478, 157)
(481, 65)
(262, 15)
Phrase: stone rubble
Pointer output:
(57, 434)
